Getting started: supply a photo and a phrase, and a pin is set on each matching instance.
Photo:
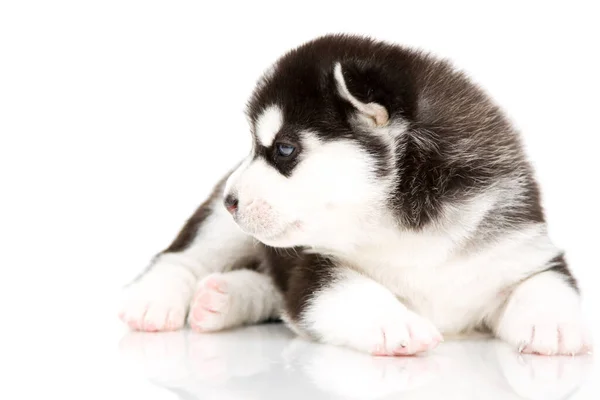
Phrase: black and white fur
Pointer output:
(407, 209)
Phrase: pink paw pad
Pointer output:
(210, 302)
(134, 325)
(215, 283)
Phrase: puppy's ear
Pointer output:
(357, 86)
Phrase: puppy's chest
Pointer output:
(411, 272)
(427, 275)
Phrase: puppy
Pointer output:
(386, 201)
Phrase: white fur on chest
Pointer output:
(455, 290)
(432, 272)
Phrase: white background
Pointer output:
(116, 117)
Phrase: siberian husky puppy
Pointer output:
(386, 201)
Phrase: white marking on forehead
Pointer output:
(268, 124)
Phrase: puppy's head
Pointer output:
(322, 148)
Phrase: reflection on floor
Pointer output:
(268, 362)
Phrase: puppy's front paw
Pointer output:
(383, 327)
(359, 313)
(406, 334)
(152, 307)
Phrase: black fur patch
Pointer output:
(298, 275)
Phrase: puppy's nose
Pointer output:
(231, 203)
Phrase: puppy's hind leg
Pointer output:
(230, 299)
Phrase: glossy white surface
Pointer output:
(117, 117)
(268, 362)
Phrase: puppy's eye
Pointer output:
(285, 150)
